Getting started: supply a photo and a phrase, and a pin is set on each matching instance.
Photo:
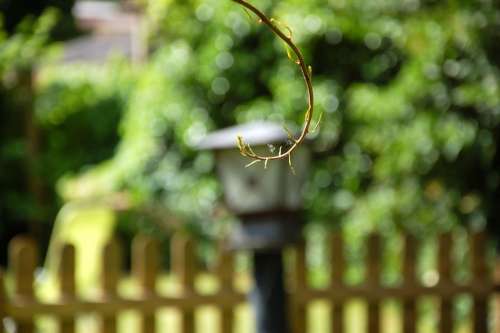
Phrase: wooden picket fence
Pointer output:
(22, 306)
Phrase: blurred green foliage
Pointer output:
(409, 90)
(16, 12)
(48, 125)
(18, 52)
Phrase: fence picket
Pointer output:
(23, 260)
(497, 295)
(67, 286)
(299, 322)
(145, 262)
(444, 267)
(225, 272)
(337, 280)
(3, 301)
(185, 266)
(409, 283)
(480, 278)
(111, 265)
(372, 281)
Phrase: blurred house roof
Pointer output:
(113, 29)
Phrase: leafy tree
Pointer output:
(16, 11)
(20, 186)
(48, 128)
(409, 90)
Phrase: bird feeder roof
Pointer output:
(254, 133)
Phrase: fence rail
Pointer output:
(22, 306)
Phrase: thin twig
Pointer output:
(245, 148)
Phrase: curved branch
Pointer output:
(245, 149)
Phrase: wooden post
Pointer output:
(373, 282)
(225, 272)
(444, 266)
(25, 98)
(337, 280)
(111, 265)
(23, 260)
(497, 295)
(184, 261)
(145, 266)
(409, 284)
(67, 284)
(3, 301)
(480, 279)
(299, 315)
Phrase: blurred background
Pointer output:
(103, 102)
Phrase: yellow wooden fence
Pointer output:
(22, 306)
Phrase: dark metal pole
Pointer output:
(268, 297)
